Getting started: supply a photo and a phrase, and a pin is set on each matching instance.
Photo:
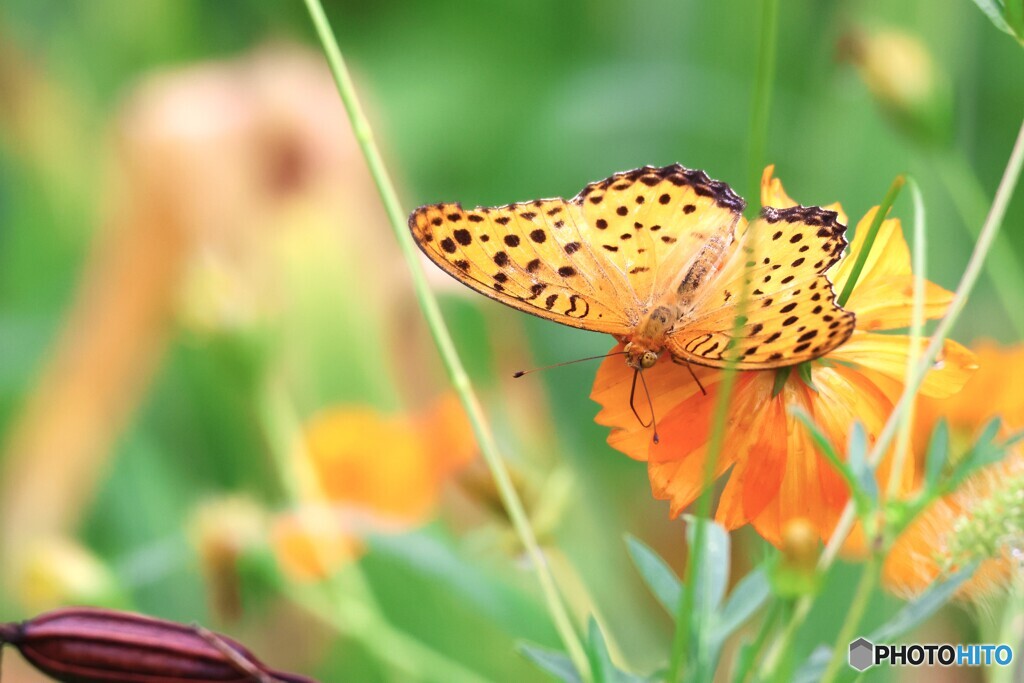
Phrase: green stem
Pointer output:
(442, 338)
(861, 598)
(916, 326)
(876, 223)
(970, 277)
(1004, 267)
(762, 97)
(967, 281)
(403, 653)
(758, 133)
(750, 656)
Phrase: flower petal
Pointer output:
(774, 195)
(888, 303)
(668, 383)
(887, 355)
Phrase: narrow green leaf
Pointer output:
(600, 661)
(658, 576)
(712, 577)
(994, 13)
(912, 614)
(917, 611)
(825, 446)
(856, 454)
(604, 671)
(553, 662)
(804, 369)
(746, 598)
(781, 376)
(938, 454)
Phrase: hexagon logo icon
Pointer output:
(862, 654)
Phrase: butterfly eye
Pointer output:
(648, 359)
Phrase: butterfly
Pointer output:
(659, 258)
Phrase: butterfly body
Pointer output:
(657, 257)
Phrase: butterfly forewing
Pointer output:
(536, 256)
(791, 315)
(651, 222)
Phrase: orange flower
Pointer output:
(369, 471)
(777, 473)
(983, 520)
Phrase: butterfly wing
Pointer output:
(652, 222)
(591, 262)
(791, 315)
(536, 257)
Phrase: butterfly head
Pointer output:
(640, 356)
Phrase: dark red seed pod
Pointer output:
(89, 645)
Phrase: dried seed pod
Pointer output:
(89, 645)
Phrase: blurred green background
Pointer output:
(483, 103)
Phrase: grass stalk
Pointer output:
(1004, 268)
(869, 241)
(758, 134)
(967, 281)
(442, 338)
(762, 96)
(861, 597)
(920, 260)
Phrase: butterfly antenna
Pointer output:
(650, 404)
(632, 404)
(696, 379)
(520, 373)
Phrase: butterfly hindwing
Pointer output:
(791, 315)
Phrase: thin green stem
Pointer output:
(916, 326)
(442, 338)
(405, 654)
(865, 587)
(750, 656)
(876, 223)
(967, 281)
(762, 96)
(970, 277)
(1004, 267)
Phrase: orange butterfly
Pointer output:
(657, 257)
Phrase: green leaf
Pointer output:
(658, 576)
(994, 12)
(712, 577)
(781, 376)
(553, 662)
(912, 614)
(926, 605)
(856, 454)
(746, 598)
(804, 369)
(602, 668)
(938, 454)
(860, 497)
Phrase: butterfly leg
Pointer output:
(682, 361)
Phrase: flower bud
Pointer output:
(89, 645)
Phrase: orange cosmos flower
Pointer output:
(777, 473)
(983, 520)
(369, 472)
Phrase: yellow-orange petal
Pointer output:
(887, 355)
(669, 384)
(774, 195)
(676, 466)
(987, 394)
(371, 461)
(312, 546)
(889, 257)
(756, 478)
(449, 437)
(888, 303)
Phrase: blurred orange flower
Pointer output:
(777, 473)
(984, 518)
(370, 472)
